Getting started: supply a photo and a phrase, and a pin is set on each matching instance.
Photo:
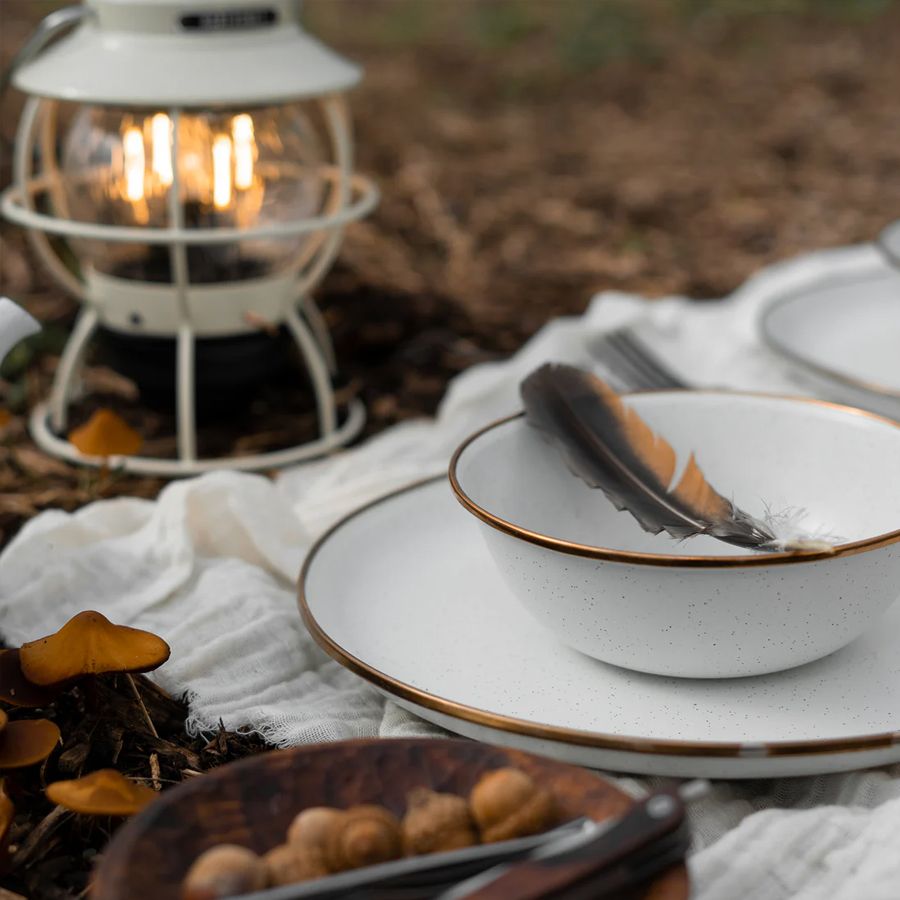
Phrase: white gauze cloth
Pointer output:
(211, 567)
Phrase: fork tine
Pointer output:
(621, 370)
(642, 357)
(648, 378)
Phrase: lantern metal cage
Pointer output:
(190, 88)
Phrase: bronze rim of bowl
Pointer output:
(609, 554)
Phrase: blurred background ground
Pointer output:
(531, 153)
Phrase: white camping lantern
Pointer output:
(184, 167)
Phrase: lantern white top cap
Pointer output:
(187, 53)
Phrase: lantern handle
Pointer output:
(49, 28)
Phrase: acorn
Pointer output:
(506, 803)
(436, 822)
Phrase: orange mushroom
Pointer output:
(16, 689)
(105, 792)
(106, 434)
(27, 742)
(7, 811)
(89, 644)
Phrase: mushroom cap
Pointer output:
(7, 811)
(27, 742)
(89, 644)
(106, 434)
(105, 792)
(3, 720)
(16, 689)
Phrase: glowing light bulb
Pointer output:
(244, 151)
(221, 152)
(161, 133)
(133, 158)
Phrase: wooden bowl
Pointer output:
(253, 801)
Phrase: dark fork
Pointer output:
(631, 365)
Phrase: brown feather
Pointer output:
(610, 446)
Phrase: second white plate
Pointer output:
(843, 335)
(404, 593)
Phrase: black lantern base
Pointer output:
(229, 371)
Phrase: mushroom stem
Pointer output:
(137, 696)
(37, 836)
(155, 772)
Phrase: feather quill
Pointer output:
(610, 446)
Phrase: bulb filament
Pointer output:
(221, 152)
(244, 151)
(233, 158)
(133, 154)
(161, 133)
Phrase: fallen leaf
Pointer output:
(106, 434)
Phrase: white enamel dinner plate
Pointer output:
(844, 337)
(405, 594)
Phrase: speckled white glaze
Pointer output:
(404, 592)
(697, 608)
(842, 337)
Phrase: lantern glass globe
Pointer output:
(236, 168)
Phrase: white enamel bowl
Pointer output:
(700, 608)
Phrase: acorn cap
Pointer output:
(106, 434)
(16, 689)
(105, 792)
(27, 742)
(89, 644)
